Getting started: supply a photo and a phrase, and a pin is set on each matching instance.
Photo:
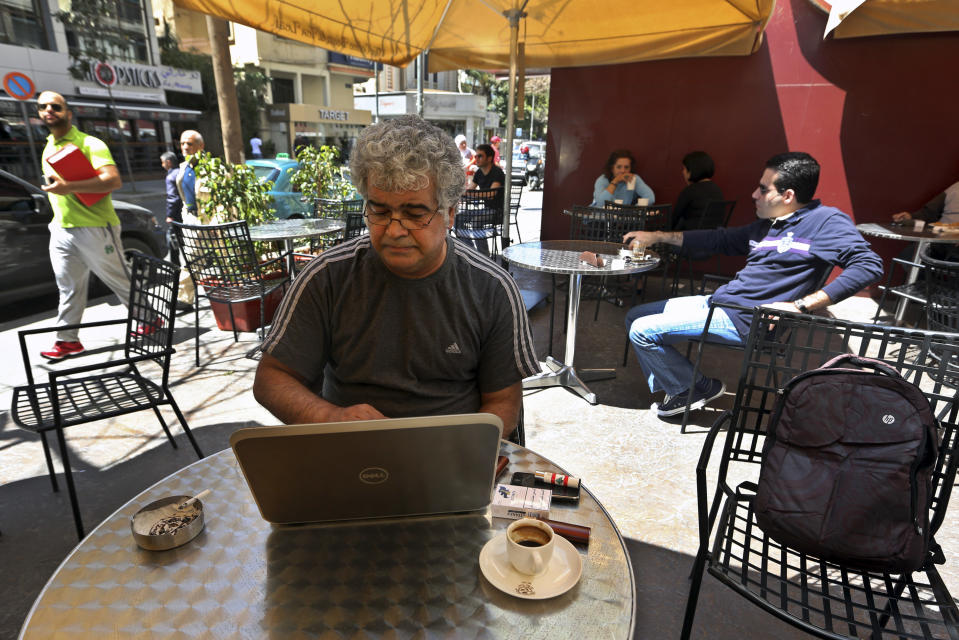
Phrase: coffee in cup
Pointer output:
(529, 545)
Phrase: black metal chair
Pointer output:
(824, 599)
(515, 195)
(942, 306)
(97, 391)
(914, 291)
(715, 214)
(355, 223)
(328, 208)
(480, 218)
(221, 258)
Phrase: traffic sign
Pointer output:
(105, 74)
(19, 85)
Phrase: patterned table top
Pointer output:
(905, 232)
(244, 578)
(562, 256)
(294, 228)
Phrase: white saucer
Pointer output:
(564, 571)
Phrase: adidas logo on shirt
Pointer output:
(453, 348)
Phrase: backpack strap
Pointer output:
(859, 361)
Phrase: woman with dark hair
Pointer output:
(698, 171)
(619, 184)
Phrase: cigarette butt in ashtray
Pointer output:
(187, 503)
(591, 258)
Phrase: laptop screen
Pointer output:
(370, 469)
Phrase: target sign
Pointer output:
(19, 85)
(105, 74)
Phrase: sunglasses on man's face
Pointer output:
(57, 108)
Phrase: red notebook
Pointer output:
(70, 164)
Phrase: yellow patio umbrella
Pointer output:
(854, 18)
(485, 34)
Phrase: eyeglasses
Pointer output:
(382, 217)
(57, 108)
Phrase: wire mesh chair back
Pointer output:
(480, 214)
(515, 194)
(942, 292)
(328, 208)
(588, 223)
(354, 206)
(219, 255)
(782, 345)
(622, 221)
(152, 306)
(355, 225)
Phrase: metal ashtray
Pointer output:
(181, 525)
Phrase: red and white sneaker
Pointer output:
(62, 349)
(149, 328)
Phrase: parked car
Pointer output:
(287, 201)
(25, 212)
(530, 167)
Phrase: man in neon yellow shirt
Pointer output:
(82, 238)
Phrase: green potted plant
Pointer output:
(319, 175)
(229, 193)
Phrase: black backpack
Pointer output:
(847, 467)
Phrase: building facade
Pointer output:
(131, 113)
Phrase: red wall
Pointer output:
(879, 114)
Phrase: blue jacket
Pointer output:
(786, 258)
(601, 195)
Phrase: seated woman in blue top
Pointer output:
(698, 169)
(618, 183)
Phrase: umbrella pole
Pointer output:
(513, 15)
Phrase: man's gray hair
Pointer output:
(408, 154)
(168, 155)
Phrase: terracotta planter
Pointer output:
(246, 315)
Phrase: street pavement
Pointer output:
(640, 468)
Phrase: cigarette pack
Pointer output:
(513, 501)
(70, 164)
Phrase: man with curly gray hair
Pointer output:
(403, 321)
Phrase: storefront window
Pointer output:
(20, 24)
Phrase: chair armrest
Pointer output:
(713, 277)
(108, 365)
(22, 337)
(707, 515)
(82, 325)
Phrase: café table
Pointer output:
(563, 257)
(292, 228)
(905, 232)
(242, 577)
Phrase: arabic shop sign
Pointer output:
(149, 77)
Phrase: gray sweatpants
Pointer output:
(74, 253)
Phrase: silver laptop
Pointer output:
(371, 468)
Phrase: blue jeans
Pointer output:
(655, 326)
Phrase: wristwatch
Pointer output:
(801, 306)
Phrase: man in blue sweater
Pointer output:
(789, 249)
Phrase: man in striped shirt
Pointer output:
(404, 321)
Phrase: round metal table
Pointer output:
(292, 228)
(562, 257)
(244, 578)
(906, 233)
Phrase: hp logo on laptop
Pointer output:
(374, 475)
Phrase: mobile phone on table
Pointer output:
(560, 493)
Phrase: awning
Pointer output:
(476, 35)
(854, 18)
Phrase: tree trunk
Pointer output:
(219, 33)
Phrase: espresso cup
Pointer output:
(529, 545)
(918, 225)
